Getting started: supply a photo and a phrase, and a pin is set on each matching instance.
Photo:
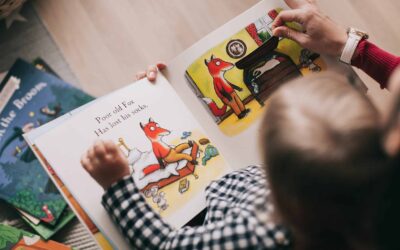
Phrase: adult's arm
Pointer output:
(376, 62)
(324, 36)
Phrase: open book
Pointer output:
(206, 110)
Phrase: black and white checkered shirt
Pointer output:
(238, 216)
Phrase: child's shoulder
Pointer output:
(245, 174)
(249, 179)
(252, 172)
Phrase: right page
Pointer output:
(227, 77)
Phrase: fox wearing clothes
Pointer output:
(164, 152)
(223, 88)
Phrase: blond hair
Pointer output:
(321, 141)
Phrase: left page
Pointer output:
(139, 118)
(82, 215)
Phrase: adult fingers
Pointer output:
(295, 4)
(284, 16)
(151, 73)
(292, 34)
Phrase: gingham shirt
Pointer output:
(238, 216)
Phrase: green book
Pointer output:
(29, 99)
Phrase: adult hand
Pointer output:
(320, 34)
(151, 72)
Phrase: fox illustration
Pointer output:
(165, 153)
(215, 110)
(224, 89)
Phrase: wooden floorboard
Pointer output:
(106, 42)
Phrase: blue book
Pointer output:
(30, 98)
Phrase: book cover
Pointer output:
(47, 231)
(100, 238)
(82, 215)
(43, 229)
(30, 98)
(16, 239)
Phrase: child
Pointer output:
(323, 154)
(389, 216)
(325, 163)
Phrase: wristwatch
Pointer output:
(355, 36)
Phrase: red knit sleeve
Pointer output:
(374, 61)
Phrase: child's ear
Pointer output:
(392, 127)
(392, 141)
(394, 81)
(391, 117)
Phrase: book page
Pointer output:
(227, 77)
(141, 118)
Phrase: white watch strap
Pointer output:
(350, 48)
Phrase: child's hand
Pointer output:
(151, 72)
(105, 162)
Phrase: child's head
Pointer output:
(323, 154)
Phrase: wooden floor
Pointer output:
(106, 42)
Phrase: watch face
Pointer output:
(359, 33)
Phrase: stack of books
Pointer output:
(32, 94)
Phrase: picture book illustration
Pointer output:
(235, 78)
(47, 231)
(173, 161)
(74, 205)
(171, 158)
(30, 98)
(16, 239)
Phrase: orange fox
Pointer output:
(224, 89)
(164, 152)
